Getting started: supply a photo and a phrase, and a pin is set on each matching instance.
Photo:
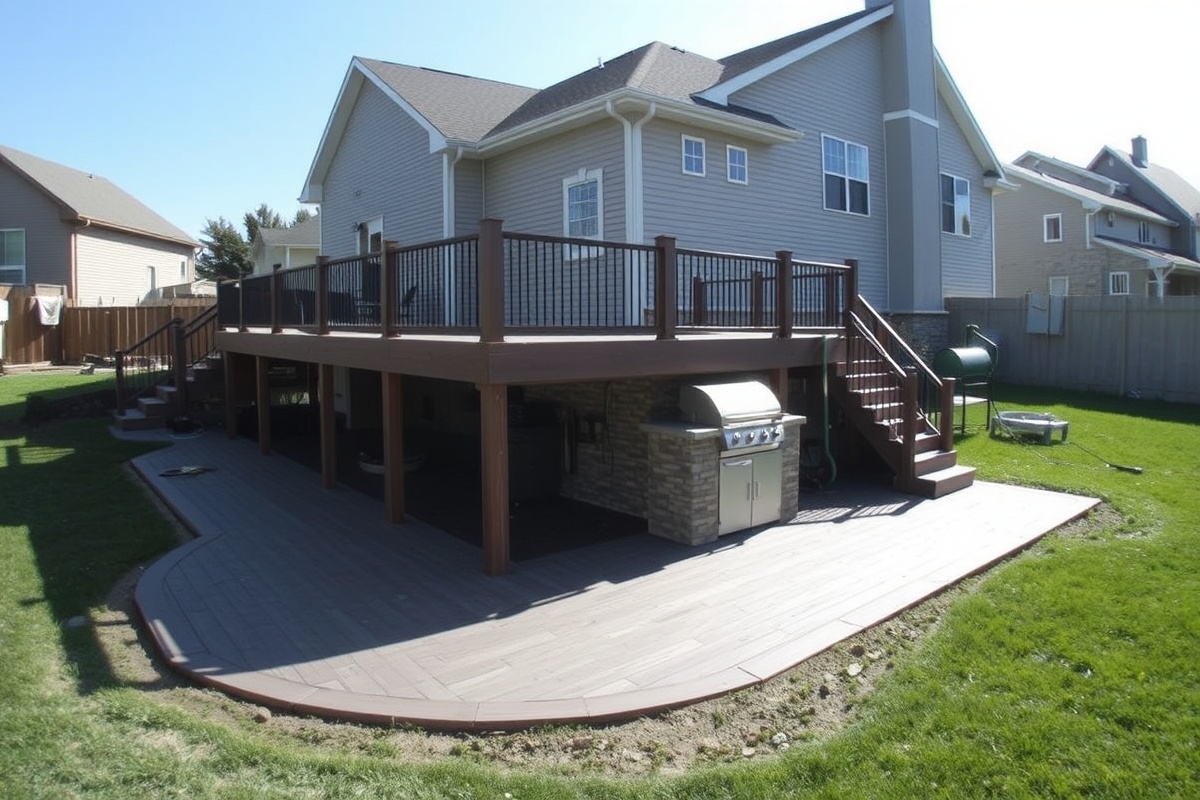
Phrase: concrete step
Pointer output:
(134, 420)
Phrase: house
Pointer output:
(1120, 226)
(77, 229)
(288, 247)
(526, 282)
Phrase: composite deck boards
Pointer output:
(306, 598)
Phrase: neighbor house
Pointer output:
(524, 282)
(1120, 226)
(79, 230)
(288, 247)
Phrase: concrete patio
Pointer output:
(307, 600)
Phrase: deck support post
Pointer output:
(328, 425)
(493, 408)
(262, 401)
(783, 294)
(232, 392)
(491, 280)
(665, 280)
(779, 384)
(393, 447)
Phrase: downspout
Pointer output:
(635, 225)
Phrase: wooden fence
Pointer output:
(83, 330)
(1136, 346)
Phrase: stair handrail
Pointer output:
(123, 397)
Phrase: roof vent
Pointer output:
(1139, 157)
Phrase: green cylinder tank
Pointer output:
(963, 362)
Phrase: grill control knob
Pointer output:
(736, 437)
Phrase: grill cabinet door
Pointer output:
(735, 489)
(768, 487)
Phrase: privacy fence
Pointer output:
(82, 332)
(1139, 346)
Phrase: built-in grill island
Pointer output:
(730, 463)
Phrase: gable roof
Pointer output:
(92, 198)
(1153, 256)
(305, 234)
(1098, 200)
(1169, 184)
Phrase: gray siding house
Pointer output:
(1076, 231)
(846, 141)
(61, 226)
(287, 247)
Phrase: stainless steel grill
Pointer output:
(747, 413)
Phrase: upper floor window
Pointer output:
(1052, 228)
(1118, 283)
(1143, 235)
(956, 205)
(847, 172)
(583, 204)
(738, 164)
(693, 156)
(12, 256)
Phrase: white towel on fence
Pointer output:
(49, 309)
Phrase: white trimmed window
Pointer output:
(847, 168)
(583, 204)
(737, 160)
(1059, 285)
(1052, 229)
(12, 256)
(1143, 236)
(693, 156)
(1118, 283)
(956, 205)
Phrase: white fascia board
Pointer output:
(352, 84)
(719, 93)
(1092, 204)
(1152, 261)
(954, 100)
(595, 109)
(1087, 174)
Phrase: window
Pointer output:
(693, 156)
(1052, 228)
(583, 204)
(12, 256)
(956, 205)
(1059, 285)
(1118, 283)
(738, 164)
(1143, 237)
(847, 172)
(182, 270)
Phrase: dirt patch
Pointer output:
(813, 700)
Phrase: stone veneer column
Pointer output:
(682, 492)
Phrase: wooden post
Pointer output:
(321, 301)
(387, 287)
(493, 406)
(262, 399)
(393, 447)
(491, 281)
(231, 393)
(179, 365)
(699, 302)
(783, 294)
(665, 287)
(242, 304)
(122, 397)
(851, 298)
(908, 427)
(275, 298)
(779, 384)
(756, 300)
(946, 421)
(328, 425)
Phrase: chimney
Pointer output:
(1139, 152)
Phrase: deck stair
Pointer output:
(900, 407)
(166, 373)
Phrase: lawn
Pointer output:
(1070, 671)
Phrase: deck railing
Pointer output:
(496, 281)
(164, 355)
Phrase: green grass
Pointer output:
(14, 389)
(1071, 671)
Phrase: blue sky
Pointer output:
(207, 109)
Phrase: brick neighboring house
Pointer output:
(1121, 226)
(60, 225)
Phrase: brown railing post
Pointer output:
(242, 304)
(908, 426)
(321, 299)
(946, 419)
(665, 287)
(119, 358)
(275, 293)
(387, 287)
(699, 301)
(179, 364)
(851, 298)
(783, 294)
(756, 300)
(491, 280)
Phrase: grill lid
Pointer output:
(723, 404)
